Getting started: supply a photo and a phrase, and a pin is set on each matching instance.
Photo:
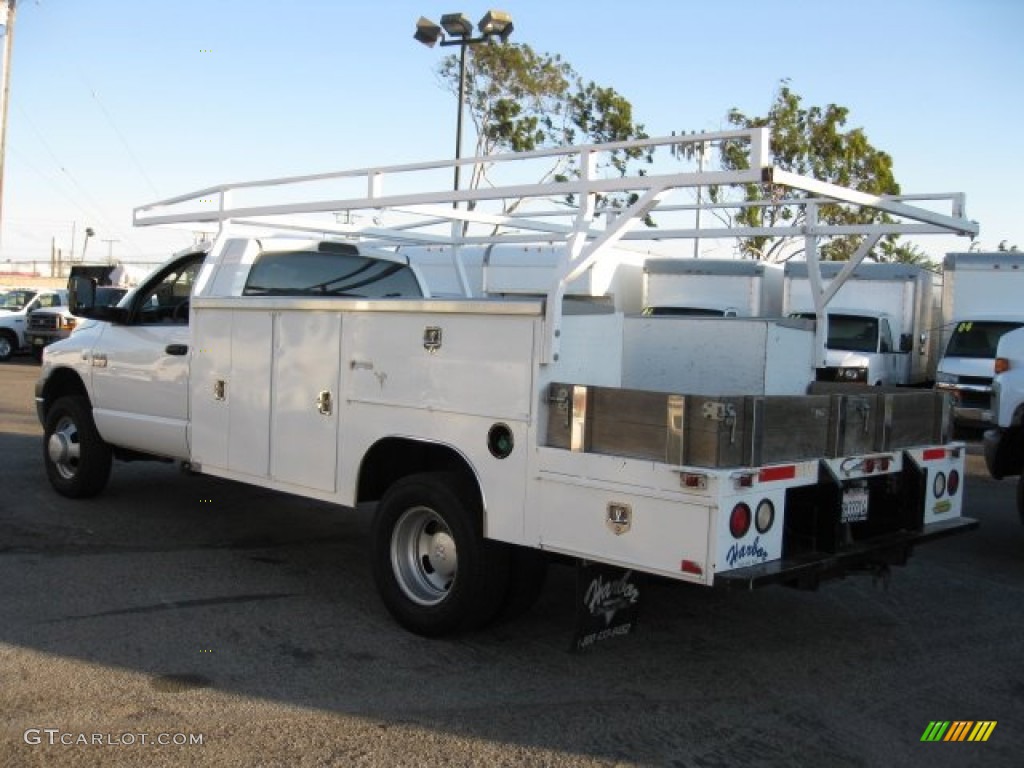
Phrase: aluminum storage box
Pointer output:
(690, 430)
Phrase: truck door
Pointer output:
(304, 421)
(893, 363)
(140, 367)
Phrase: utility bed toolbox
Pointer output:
(885, 419)
(691, 430)
(746, 430)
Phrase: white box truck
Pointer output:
(490, 432)
(712, 288)
(879, 322)
(982, 298)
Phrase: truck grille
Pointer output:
(43, 323)
(970, 399)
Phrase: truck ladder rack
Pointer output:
(588, 209)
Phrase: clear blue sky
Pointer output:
(115, 104)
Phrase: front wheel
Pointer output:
(435, 572)
(77, 460)
(8, 345)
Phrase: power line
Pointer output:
(97, 213)
(124, 141)
(113, 126)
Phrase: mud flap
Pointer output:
(607, 603)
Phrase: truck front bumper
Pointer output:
(808, 571)
(972, 403)
(40, 339)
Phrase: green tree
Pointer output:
(809, 141)
(521, 100)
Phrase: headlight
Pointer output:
(853, 374)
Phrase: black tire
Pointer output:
(1020, 496)
(8, 345)
(77, 460)
(37, 354)
(435, 572)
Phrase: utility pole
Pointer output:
(7, 19)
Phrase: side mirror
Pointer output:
(82, 302)
(906, 342)
(81, 295)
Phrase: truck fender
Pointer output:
(1004, 451)
(394, 457)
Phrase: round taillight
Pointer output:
(939, 485)
(884, 464)
(739, 521)
(953, 484)
(765, 516)
(869, 465)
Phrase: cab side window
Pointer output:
(50, 300)
(167, 302)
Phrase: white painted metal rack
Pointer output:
(409, 204)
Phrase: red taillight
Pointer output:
(953, 483)
(869, 465)
(884, 464)
(691, 566)
(739, 520)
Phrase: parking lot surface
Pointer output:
(185, 620)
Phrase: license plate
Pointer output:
(855, 505)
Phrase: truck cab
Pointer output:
(133, 360)
(1004, 443)
(967, 366)
(861, 349)
(15, 308)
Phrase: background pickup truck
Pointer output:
(15, 308)
(1004, 445)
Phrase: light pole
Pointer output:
(89, 232)
(459, 31)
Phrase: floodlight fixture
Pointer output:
(427, 32)
(457, 25)
(496, 24)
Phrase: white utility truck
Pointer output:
(879, 322)
(982, 298)
(1004, 443)
(712, 288)
(311, 357)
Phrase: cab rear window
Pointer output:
(331, 270)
